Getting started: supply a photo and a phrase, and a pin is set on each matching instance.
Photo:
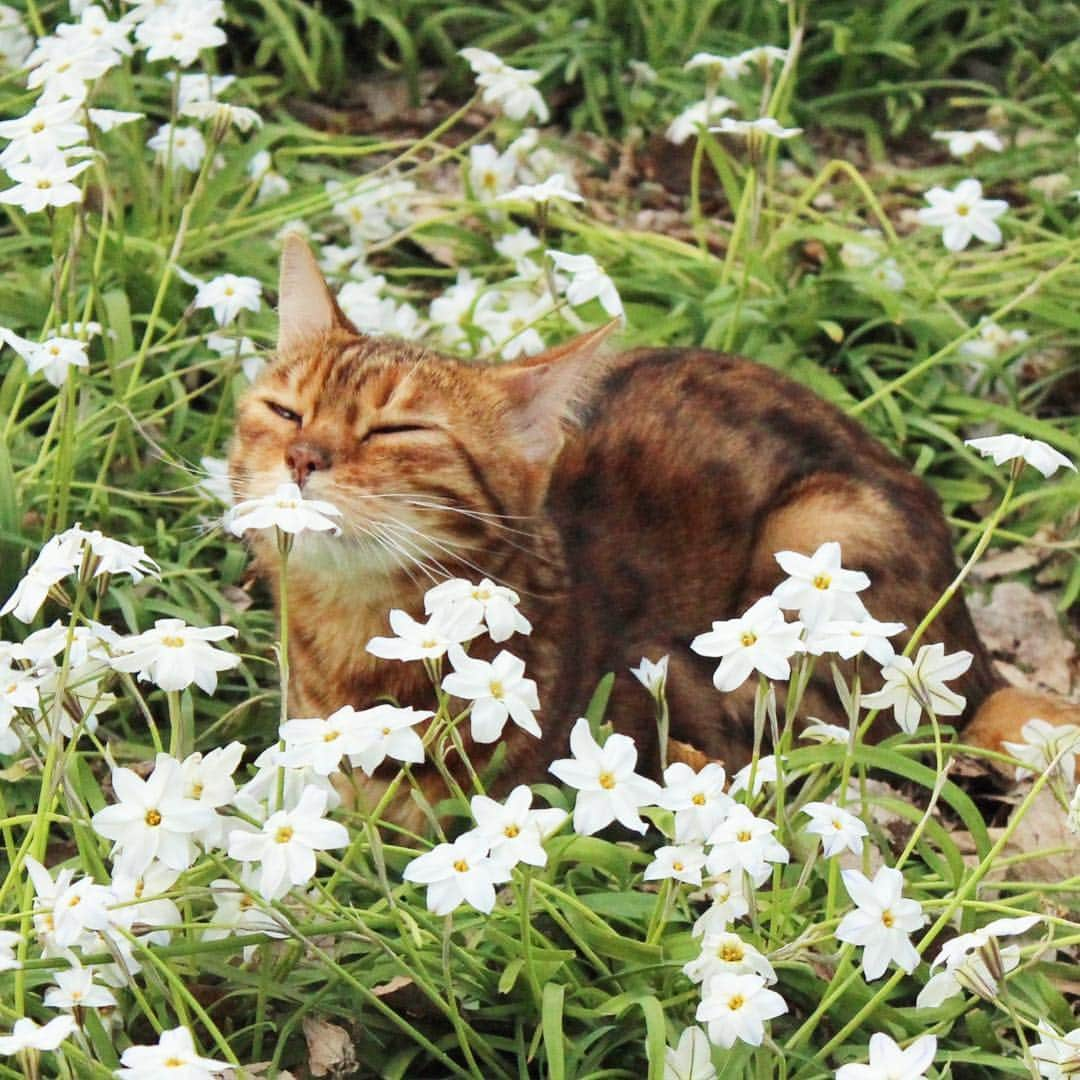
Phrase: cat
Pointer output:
(629, 499)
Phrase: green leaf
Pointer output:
(551, 1022)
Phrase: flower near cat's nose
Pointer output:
(304, 457)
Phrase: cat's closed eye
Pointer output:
(284, 413)
(393, 429)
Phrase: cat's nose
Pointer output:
(305, 457)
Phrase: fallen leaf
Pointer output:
(1043, 829)
(330, 1048)
(396, 983)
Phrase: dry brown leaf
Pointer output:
(1021, 628)
(398, 982)
(330, 1048)
(1003, 563)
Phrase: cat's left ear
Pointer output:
(306, 306)
(542, 390)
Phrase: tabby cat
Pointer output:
(629, 499)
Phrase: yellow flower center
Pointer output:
(607, 781)
(962, 210)
(153, 818)
(173, 641)
(698, 799)
(887, 919)
(822, 581)
(44, 184)
(496, 689)
(174, 1063)
(38, 128)
(511, 831)
(140, 886)
(196, 790)
(837, 824)
(678, 866)
(731, 954)
(744, 835)
(386, 731)
(330, 736)
(284, 834)
(461, 866)
(736, 1002)
(748, 639)
(229, 290)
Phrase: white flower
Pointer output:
(728, 904)
(199, 86)
(652, 676)
(463, 871)
(1072, 817)
(287, 842)
(608, 788)
(993, 341)
(681, 862)
(881, 922)
(826, 733)
(588, 282)
(696, 798)
(691, 1059)
(227, 295)
(452, 311)
(759, 640)
(174, 655)
(54, 357)
(320, 744)
(75, 989)
(764, 55)
(696, 119)
(839, 830)
(498, 690)
(507, 316)
(180, 33)
(735, 1007)
(59, 557)
(764, 773)
(208, 780)
(912, 687)
(818, 587)
(451, 625)
(238, 912)
(556, 186)
(512, 831)
(389, 733)
(9, 941)
(153, 818)
(238, 348)
(1042, 743)
(1057, 1056)
(962, 143)
(853, 637)
(224, 115)
(889, 1062)
(1036, 453)
(726, 953)
(745, 842)
(490, 173)
(511, 89)
(184, 147)
(723, 67)
(140, 908)
(963, 213)
(44, 181)
(888, 275)
(286, 509)
(974, 961)
(108, 119)
(44, 129)
(26, 1035)
(766, 125)
(67, 910)
(495, 604)
(173, 1058)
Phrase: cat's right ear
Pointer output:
(306, 306)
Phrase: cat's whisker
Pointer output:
(396, 544)
(446, 547)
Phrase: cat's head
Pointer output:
(427, 457)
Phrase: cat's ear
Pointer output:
(306, 306)
(542, 390)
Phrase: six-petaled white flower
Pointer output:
(743, 842)
(849, 638)
(174, 1056)
(759, 640)
(962, 214)
(174, 655)
(819, 588)
(695, 119)
(513, 831)
(653, 676)
(962, 143)
(723, 952)
(75, 989)
(588, 282)
(608, 788)
(556, 186)
(691, 1059)
(285, 846)
(27, 1035)
(1043, 742)
(889, 1062)
(495, 604)
(461, 872)
(1057, 1056)
(54, 357)
(451, 625)
(697, 799)
(44, 180)
(679, 862)
(227, 295)
(881, 922)
(512, 89)
(386, 731)
(912, 686)
(839, 829)
(286, 509)
(498, 690)
(735, 1008)
(1035, 452)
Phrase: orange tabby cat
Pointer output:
(630, 499)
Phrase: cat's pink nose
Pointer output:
(304, 457)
